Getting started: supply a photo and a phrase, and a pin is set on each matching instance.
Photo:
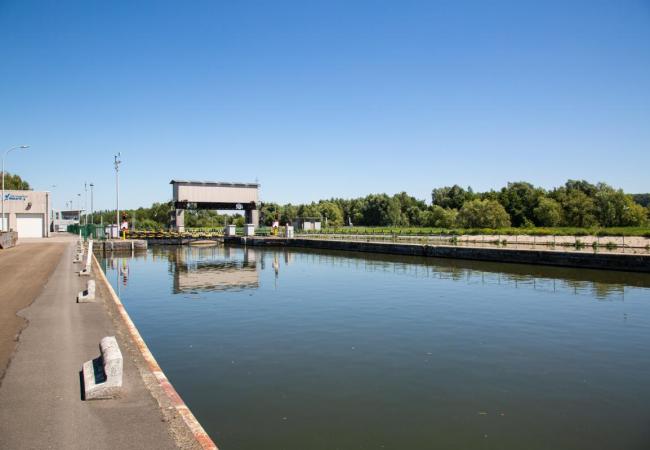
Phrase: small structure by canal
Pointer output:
(300, 349)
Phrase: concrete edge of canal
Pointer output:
(582, 260)
(152, 374)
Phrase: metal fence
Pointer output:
(88, 231)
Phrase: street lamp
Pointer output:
(92, 211)
(86, 201)
(117, 192)
(54, 226)
(2, 217)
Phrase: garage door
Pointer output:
(29, 225)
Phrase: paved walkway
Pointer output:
(22, 278)
(40, 395)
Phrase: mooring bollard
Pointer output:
(88, 295)
(103, 375)
(86, 270)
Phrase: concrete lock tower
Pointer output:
(214, 195)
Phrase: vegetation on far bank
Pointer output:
(509, 231)
(575, 208)
(577, 204)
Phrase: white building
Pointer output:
(64, 218)
(26, 212)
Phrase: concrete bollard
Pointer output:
(103, 375)
(88, 295)
(80, 252)
(86, 270)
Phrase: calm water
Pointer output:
(279, 349)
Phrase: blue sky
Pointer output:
(323, 99)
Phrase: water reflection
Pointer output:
(216, 268)
(219, 268)
(294, 349)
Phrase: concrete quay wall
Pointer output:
(119, 245)
(583, 260)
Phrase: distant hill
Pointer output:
(642, 199)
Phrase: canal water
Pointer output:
(294, 349)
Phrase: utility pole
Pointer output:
(92, 211)
(117, 192)
(86, 201)
(54, 226)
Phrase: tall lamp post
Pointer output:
(4, 155)
(92, 211)
(54, 228)
(86, 201)
(117, 192)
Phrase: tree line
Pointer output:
(577, 203)
(14, 182)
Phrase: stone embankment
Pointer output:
(119, 245)
(553, 257)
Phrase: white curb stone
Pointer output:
(86, 270)
(103, 376)
(88, 295)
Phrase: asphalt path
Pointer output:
(24, 270)
(41, 403)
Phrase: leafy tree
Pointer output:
(642, 199)
(160, 213)
(148, 224)
(410, 209)
(204, 219)
(490, 195)
(609, 205)
(634, 215)
(548, 212)
(615, 208)
(519, 200)
(289, 213)
(483, 214)
(438, 217)
(581, 185)
(380, 210)
(578, 208)
(14, 182)
(451, 196)
(269, 212)
(332, 212)
(311, 210)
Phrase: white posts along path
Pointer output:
(103, 376)
(88, 295)
(89, 259)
